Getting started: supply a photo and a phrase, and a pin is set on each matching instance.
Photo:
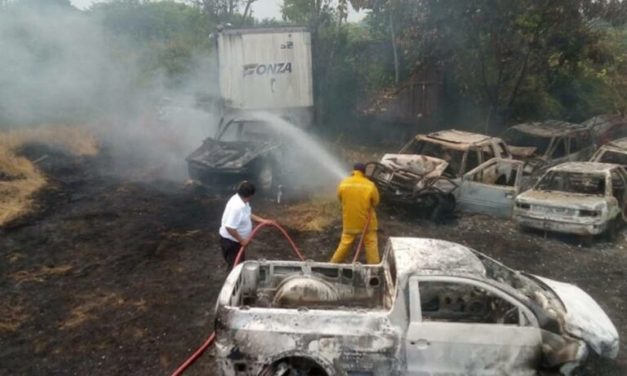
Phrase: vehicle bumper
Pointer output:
(560, 225)
(213, 177)
(423, 199)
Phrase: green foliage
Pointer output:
(501, 61)
(508, 61)
(163, 37)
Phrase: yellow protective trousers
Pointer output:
(346, 245)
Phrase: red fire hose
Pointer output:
(179, 371)
(363, 235)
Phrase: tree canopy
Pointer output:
(498, 61)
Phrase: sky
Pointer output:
(262, 9)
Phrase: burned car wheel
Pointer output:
(296, 366)
(443, 208)
(613, 229)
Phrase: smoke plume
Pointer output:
(59, 65)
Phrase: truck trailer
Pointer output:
(265, 70)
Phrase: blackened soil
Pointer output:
(115, 277)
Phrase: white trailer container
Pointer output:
(265, 70)
(260, 70)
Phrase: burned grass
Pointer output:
(120, 277)
(40, 274)
(20, 178)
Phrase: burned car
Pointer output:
(430, 307)
(545, 144)
(613, 152)
(606, 127)
(428, 170)
(585, 198)
(242, 149)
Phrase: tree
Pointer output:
(226, 11)
(499, 56)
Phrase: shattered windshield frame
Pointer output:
(516, 137)
(247, 131)
(573, 182)
(454, 157)
(616, 157)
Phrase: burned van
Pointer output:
(545, 144)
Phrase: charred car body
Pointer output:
(606, 127)
(428, 170)
(545, 144)
(585, 198)
(241, 150)
(612, 152)
(431, 307)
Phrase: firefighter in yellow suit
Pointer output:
(358, 196)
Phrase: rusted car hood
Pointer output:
(218, 154)
(419, 164)
(585, 319)
(562, 199)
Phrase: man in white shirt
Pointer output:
(237, 223)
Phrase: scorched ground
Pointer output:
(115, 276)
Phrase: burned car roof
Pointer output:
(604, 121)
(417, 255)
(590, 167)
(549, 128)
(620, 143)
(455, 138)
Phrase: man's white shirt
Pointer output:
(236, 216)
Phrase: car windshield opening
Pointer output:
(246, 131)
(431, 149)
(573, 182)
(515, 137)
(614, 157)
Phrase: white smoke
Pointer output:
(59, 65)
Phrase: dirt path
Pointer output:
(113, 277)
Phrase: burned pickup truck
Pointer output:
(431, 307)
(429, 170)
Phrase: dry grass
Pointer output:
(19, 177)
(12, 316)
(315, 215)
(87, 310)
(74, 140)
(39, 275)
(91, 308)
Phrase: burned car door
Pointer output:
(619, 183)
(460, 326)
(480, 193)
(559, 152)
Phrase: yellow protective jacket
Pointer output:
(358, 195)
